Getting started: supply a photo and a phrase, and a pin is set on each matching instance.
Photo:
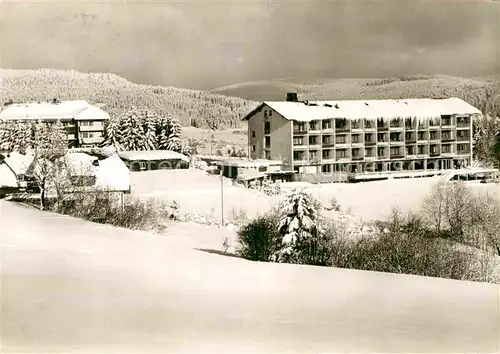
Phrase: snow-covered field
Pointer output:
(73, 286)
(200, 193)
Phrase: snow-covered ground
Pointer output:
(197, 192)
(200, 193)
(73, 286)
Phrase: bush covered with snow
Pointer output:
(105, 208)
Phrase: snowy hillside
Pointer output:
(73, 286)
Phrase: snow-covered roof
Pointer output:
(150, 155)
(18, 163)
(250, 163)
(78, 110)
(420, 108)
(113, 174)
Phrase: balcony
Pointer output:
(397, 127)
(343, 129)
(299, 132)
(90, 128)
(95, 140)
(397, 156)
(396, 142)
(315, 161)
(300, 161)
(463, 138)
(328, 144)
(434, 153)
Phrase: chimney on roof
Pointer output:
(9, 102)
(337, 105)
(291, 97)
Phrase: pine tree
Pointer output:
(299, 229)
(150, 138)
(132, 133)
(174, 140)
(6, 135)
(112, 134)
(163, 132)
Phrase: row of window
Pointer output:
(381, 151)
(381, 137)
(91, 135)
(341, 124)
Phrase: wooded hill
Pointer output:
(190, 107)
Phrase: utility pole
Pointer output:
(222, 196)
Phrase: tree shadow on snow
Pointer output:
(219, 252)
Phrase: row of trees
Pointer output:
(142, 129)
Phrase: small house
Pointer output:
(15, 172)
(154, 160)
(258, 170)
(88, 171)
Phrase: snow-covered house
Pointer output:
(154, 160)
(89, 172)
(15, 172)
(83, 121)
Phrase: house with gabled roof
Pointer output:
(363, 136)
(83, 121)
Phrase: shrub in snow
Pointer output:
(259, 239)
(402, 245)
(105, 208)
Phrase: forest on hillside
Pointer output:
(191, 108)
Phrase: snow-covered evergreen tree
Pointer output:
(298, 227)
(174, 140)
(163, 132)
(131, 131)
(15, 136)
(112, 134)
(150, 138)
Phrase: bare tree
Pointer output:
(49, 144)
(458, 199)
(434, 206)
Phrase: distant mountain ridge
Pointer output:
(414, 86)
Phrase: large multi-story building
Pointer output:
(363, 136)
(84, 122)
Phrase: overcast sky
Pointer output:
(206, 44)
